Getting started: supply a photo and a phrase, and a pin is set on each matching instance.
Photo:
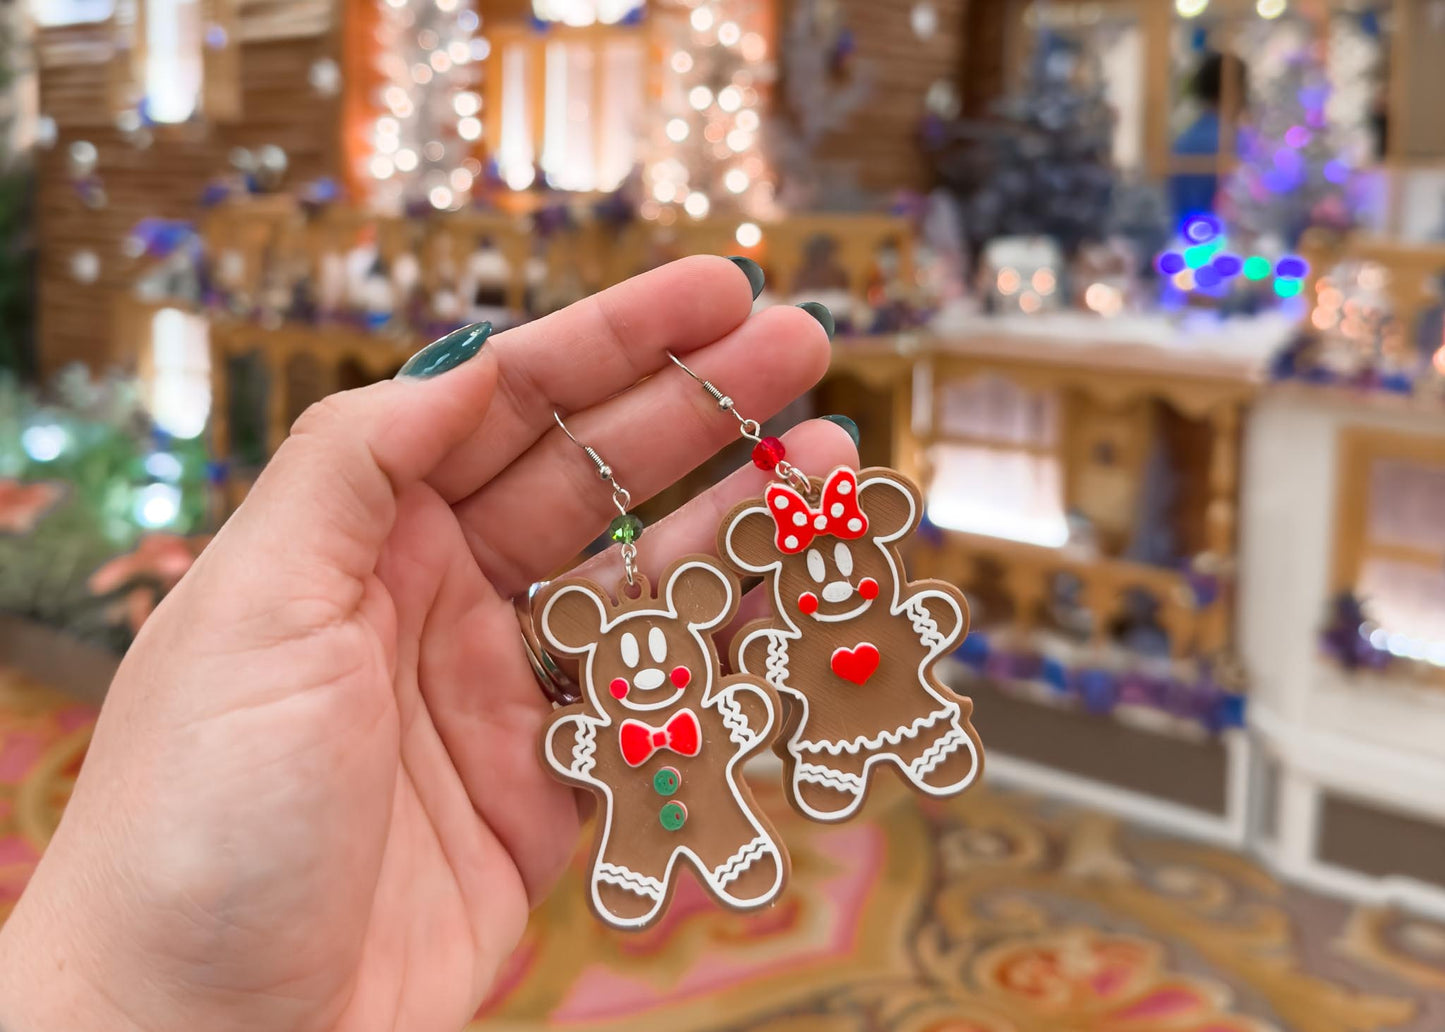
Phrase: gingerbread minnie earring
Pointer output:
(660, 735)
(852, 641)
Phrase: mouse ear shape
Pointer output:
(747, 539)
(892, 503)
(701, 593)
(571, 617)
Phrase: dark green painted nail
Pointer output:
(846, 424)
(753, 271)
(446, 354)
(821, 313)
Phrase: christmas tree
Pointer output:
(1293, 173)
(428, 120)
(706, 153)
(1042, 165)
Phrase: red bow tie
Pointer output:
(838, 515)
(682, 734)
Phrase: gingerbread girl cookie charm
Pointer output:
(660, 736)
(852, 642)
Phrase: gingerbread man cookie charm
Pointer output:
(852, 641)
(660, 737)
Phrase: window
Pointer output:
(996, 467)
(179, 381)
(173, 59)
(49, 13)
(1390, 544)
(584, 12)
(574, 95)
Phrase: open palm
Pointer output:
(313, 799)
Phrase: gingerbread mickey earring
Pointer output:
(660, 735)
(852, 642)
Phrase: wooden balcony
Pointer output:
(265, 253)
(1110, 400)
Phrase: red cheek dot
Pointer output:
(808, 602)
(681, 675)
(868, 588)
(619, 688)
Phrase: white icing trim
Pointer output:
(853, 746)
(942, 747)
(736, 721)
(583, 756)
(777, 662)
(632, 881)
(736, 865)
(923, 623)
(841, 617)
(818, 774)
(846, 782)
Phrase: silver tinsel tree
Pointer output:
(428, 105)
(1294, 172)
(705, 155)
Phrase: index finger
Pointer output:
(591, 350)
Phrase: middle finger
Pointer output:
(543, 508)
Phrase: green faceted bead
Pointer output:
(673, 816)
(626, 529)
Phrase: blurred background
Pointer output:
(1146, 293)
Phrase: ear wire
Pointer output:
(768, 452)
(625, 528)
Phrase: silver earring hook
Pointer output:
(749, 428)
(621, 497)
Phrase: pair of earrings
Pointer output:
(660, 732)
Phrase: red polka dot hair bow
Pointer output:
(838, 515)
(682, 734)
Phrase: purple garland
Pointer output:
(1202, 700)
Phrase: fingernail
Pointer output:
(752, 270)
(846, 424)
(821, 313)
(446, 354)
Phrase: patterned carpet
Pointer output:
(997, 913)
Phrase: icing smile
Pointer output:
(857, 610)
(837, 592)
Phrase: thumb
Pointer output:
(326, 501)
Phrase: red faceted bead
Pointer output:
(767, 453)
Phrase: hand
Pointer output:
(313, 799)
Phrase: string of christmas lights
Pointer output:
(705, 155)
(429, 108)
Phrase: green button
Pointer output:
(666, 781)
(673, 816)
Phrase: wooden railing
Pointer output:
(259, 249)
(1028, 573)
(258, 242)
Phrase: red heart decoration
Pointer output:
(856, 664)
